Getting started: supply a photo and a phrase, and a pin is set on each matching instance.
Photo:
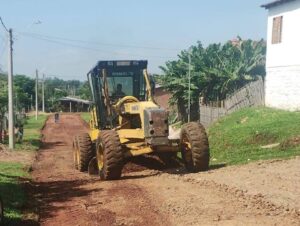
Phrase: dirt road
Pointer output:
(266, 193)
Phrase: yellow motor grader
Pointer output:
(126, 121)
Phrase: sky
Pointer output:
(65, 38)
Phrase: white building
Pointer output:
(282, 85)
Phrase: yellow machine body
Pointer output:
(133, 139)
(130, 123)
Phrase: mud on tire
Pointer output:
(109, 146)
(194, 147)
(85, 151)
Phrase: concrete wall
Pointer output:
(283, 59)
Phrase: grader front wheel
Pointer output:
(194, 147)
(109, 155)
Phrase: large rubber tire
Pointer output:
(1, 212)
(194, 147)
(75, 152)
(110, 149)
(85, 151)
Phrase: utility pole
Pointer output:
(189, 101)
(36, 95)
(11, 124)
(43, 92)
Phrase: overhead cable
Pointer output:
(85, 47)
(98, 43)
(3, 24)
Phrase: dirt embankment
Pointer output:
(256, 194)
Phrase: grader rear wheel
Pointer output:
(109, 155)
(194, 147)
(84, 151)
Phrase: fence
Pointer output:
(250, 95)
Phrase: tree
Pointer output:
(217, 71)
(3, 94)
(24, 89)
(84, 91)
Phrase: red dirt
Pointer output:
(68, 197)
(155, 197)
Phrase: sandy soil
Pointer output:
(264, 193)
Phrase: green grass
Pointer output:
(32, 134)
(86, 116)
(11, 191)
(12, 173)
(239, 137)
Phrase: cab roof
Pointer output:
(139, 64)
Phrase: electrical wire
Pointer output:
(97, 43)
(87, 48)
(3, 24)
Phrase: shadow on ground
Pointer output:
(46, 198)
(49, 145)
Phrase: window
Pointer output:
(120, 86)
(277, 30)
(123, 82)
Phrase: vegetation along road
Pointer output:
(262, 193)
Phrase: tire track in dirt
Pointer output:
(68, 197)
(190, 199)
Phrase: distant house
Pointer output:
(74, 104)
(282, 86)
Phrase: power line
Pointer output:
(86, 48)
(98, 43)
(3, 24)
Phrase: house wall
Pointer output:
(283, 59)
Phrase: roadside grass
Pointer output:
(244, 136)
(32, 134)
(86, 116)
(11, 191)
(12, 173)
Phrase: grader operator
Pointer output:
(126, 122)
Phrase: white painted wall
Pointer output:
(283, 59)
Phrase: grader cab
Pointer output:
(126, 122)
